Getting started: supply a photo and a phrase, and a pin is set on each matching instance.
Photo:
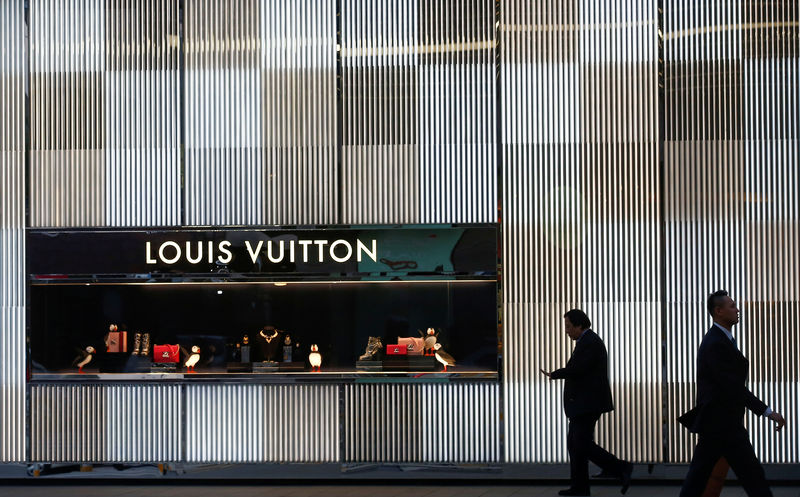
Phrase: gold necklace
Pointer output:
(268, 338)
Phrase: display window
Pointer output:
(360, 301)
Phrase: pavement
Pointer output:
(38, 489)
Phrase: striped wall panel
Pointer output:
(67, 423)
(262, 423)
(141, 108)
(432, 423)
(104, 113)
(581, 216)
(143, 423)
(299, 111)
(224, 177)
(731, 100)
(12, 234)
(67, 46)
(418, 111)
(261, 113)
(105, 423)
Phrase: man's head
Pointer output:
(723, 309)
(575, 323)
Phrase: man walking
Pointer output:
(722, 396)
(587, 395)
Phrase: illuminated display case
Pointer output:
(295, 301)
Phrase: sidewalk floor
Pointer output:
(218, 490)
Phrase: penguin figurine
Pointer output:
(443, 357)
(430, 338)
(315, 358)
(84, 359)
(193, 358)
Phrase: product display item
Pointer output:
(315, 358)
(84, 358)
(194, 357)
(414, 345)
(287, 348)
(268, 344)
(396, 350)
(430, 337)
(166, 353)
(443, 357)
(374, 346)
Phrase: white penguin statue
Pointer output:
(87, 358)
(193, 358)
(315, 358)
(443, 357)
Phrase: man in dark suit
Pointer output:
(587, 396)
(722, 396)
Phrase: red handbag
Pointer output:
(396, 350)
(165, 353)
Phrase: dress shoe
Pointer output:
(626, 477)
(574, 491)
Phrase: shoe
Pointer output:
(626, 477)
(374, 345)
(137, 344)
(145, 344)
(574, 491)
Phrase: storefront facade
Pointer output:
(628, 159)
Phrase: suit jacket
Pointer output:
(586, 388)
(722, 393)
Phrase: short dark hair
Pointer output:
(715, 300)
(578, 318)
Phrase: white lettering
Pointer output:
(148, 257)
(321, 243)
(305, 244)
(291, 250)
(210, 252)
(363, 248)
(177, 252)
(189, 252)
(222, 245)
(349, 251)
(269, 251)
(253, 254)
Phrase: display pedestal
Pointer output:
(239, 367)
(164, 367)
(265, 367)
(399, 363)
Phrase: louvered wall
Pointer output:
(104, 113)
(418, 111)
(577, 131)
(581, 216)
(431, 423)
(731, 168)
(105, 423)
(262, 423)
(12, 234)
(261, 143)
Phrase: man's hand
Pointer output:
(545, 373)
(776, 416)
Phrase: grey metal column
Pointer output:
(12, 232)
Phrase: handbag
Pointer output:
(117, 341)
(396, 350)
(414, 345)
(165, 353)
